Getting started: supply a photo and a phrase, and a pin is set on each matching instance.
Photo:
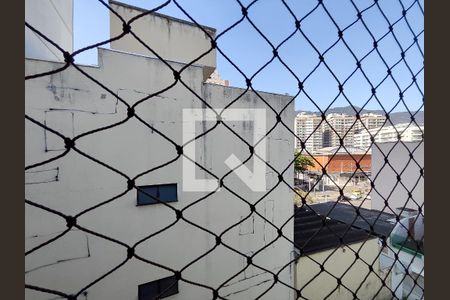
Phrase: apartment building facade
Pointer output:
(317, 134)
(72, 104)
(407, 132)
(369, 121)
(309, 129)
(338, 126)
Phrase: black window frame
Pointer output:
(153, 201)
(160, 286)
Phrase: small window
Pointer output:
(161, 288)
(163, 192)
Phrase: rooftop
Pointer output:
(314, 232)
(340, 150)
(381, 226)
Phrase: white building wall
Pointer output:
(173, 39)
(338, 262)
(72, 104)
(386, 180)
(408, 133)
(54, 19)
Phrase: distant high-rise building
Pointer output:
(308, 129)
(318, 134)
(338, 126)
(408, 133)
(369, 121)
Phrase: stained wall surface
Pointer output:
(72, 104)
(170, 38)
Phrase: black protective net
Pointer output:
(344, 234)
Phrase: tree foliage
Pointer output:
(302, 162)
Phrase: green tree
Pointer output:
(302, 163)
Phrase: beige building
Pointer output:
(308, 129)
(338, 126)
(215, 79)
(369, 121)
(72, 104)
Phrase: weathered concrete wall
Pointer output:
(53, 18)
(338, 263)
(386, 180)
(72, 104)
(173, 39)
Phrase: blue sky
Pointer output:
(249, 51)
